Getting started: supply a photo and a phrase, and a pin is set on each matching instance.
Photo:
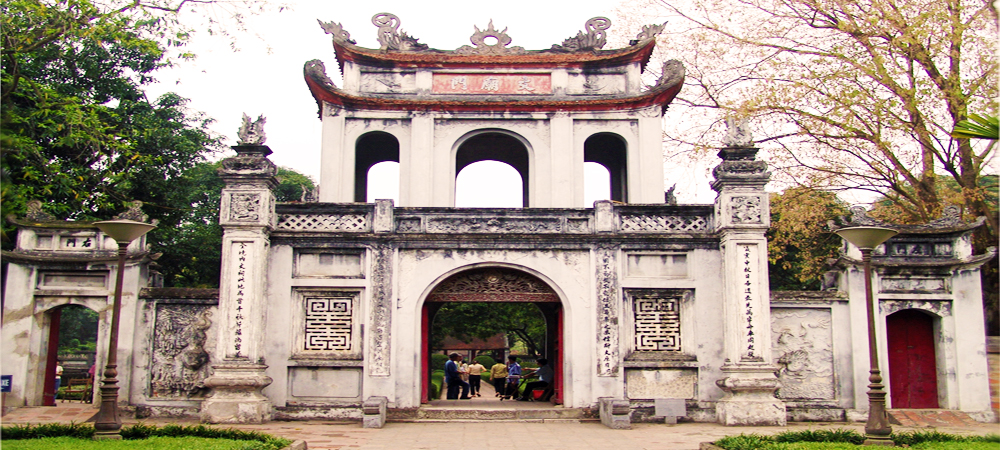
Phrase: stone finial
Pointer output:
(594, 39)
(391, 38)
(737, 133)
(500, 48)
(673, 72)
(252, 133)
(951, 216)
(134, 212)
(649, 32)
(337, 30)
(669, 197)
(35, 213)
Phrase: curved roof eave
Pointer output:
(323, 91)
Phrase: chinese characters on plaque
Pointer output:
(748, 293)
(240, 288)
(492, 83)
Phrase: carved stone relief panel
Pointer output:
(661, 383)
(381, 310)
(913, 284)
(596, 84)
(657, 323)
(941, 308)
(316, 263)
(494, 225)
(180, 351)
(746, 209)
(388, 82)
(803, 347)
(244, 207)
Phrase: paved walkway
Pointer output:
(321, 435)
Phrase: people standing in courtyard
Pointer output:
(59, 372)
(463, 369)
(498, 373)
(544, 373)
(454, 380)
(513, 377)
(475, 378)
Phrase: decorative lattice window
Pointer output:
(328, 323)
(657, 324)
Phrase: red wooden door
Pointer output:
(912, 363)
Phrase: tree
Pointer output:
(520, 321)
(799, 241)
(76, 128)
(192, 249)
(847, 94)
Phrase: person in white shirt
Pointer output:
(544, 373)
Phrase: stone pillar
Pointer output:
(247, 217)
(742, 217)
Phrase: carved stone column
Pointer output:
(247, 217)
(742, 217)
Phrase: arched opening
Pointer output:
(912, 360)
(492, 301)
(495, 146)
(371, 149)
(609, 150)
(383, 182)
(71, 354)
(596, 184)
(488, 184)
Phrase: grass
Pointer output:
(140, 435)
(844, 439)
(152, 443)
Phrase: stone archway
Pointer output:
(496, 284)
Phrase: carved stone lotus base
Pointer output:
(236, 395)
(750, 399)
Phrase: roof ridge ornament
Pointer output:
(391, 38)
(337, 30)
(482, 48)
(737, 133)
(649, 32)
(594, 39)
(36, 214)
(252, 133)
(134, 212)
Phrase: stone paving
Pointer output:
(540, 435)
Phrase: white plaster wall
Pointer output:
(20, 355)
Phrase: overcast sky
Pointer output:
(265, 75)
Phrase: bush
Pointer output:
(437, 361)
(837, 435)
(46, 430)
(486, 360)
(437, 383)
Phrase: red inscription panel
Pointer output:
(492, 83)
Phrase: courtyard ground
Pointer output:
(500, 435)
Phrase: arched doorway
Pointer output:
(371, 148)
(496, 284)
(912, 360)
(609, 150)
(496, 146)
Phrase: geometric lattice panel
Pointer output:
(328, 323)
(323, 222)
(634, 223)
(657, 324)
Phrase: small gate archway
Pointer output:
(489, 285)
(912, 360)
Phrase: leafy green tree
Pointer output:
(521, 322)
(77, 329)
(799, 241)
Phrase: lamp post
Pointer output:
(877, 430)
(108, 422)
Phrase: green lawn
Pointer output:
(152, 443)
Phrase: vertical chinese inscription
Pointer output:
(657, 324)
(328, 324)
(381, 310)
(748, 259)
(241, 277)
(607, 313)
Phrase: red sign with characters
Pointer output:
(492, 83)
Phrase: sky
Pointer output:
(264, 76)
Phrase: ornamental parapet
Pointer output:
(358, 218)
